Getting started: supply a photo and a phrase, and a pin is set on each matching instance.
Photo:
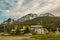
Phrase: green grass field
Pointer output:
(47, 37)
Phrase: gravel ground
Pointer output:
(15, 38)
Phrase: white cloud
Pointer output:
(33, 6)
(23, 7)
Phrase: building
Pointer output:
(37, 29)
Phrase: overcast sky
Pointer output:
(18, 8)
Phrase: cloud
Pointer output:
(19, 8)
(35, 6)
(23, 7)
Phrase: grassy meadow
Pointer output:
(47, 37)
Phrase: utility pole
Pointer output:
(5, 31)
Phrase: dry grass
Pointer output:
(47, 37)
(13, 37)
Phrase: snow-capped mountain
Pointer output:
(27, 17)
(32, 16)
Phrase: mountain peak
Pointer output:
(27, 17)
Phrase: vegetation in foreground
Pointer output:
(47, 37)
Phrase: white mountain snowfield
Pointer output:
(20, 8)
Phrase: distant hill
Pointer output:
(34, 19)
(42, 20)
(32, 16)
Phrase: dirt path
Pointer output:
(15, 37)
